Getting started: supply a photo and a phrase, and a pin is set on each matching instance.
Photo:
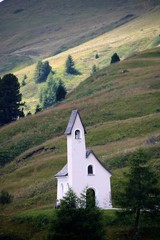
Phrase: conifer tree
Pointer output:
(61, 91)
(42, 71)
(48, 94)
(70, 66)
(115, 58)
(141, 191)
(10, 99)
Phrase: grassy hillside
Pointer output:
(37, 29)
(137, 35)
(120, 108)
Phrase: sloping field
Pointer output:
(121, 112)
(37, 29)
(137, 35)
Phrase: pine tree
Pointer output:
(61, 91)
(141, 192)
(42, 71)
(10, 99)
(70, 66)
(115, 58)
(48, 94)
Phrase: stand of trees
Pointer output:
(55, 91)
(76, 221)
(10, 99)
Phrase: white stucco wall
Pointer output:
(62, 187)
(99, 181)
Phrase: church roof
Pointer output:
(72, 121)
(88, 152)
(63, 172)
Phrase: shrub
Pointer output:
(5, 197)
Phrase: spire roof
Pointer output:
(72, 121)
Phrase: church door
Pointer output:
(90, 198)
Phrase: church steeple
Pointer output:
(71, 122)
(76, 147)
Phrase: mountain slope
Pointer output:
(120, 108)
(137, 35)
(38, 29)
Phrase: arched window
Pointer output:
(77, 134)
(90, 169)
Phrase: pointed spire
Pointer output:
(72, 121)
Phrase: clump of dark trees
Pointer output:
(10, 99)
(77, 219)
(54, 91)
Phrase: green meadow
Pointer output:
(120, 108)
(127, 40)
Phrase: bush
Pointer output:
(5, 197)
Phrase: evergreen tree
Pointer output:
(42, 71)
(10, 99)
(141, 192)
(73, 222)
(115, 58)
(48, 94)
(61, 91)
(70, 66)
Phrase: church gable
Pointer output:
(95, 159)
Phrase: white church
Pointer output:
(83, 169)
